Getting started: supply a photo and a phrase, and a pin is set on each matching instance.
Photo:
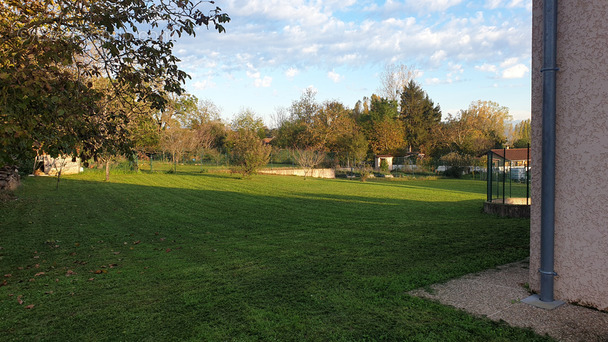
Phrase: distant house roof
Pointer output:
(512, 153)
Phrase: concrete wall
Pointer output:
(581, 223)
(314, 173)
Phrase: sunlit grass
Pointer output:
(200, 256)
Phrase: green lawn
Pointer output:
(212, 257)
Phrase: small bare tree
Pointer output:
(308, 159)
(393, 79)
(177, 141)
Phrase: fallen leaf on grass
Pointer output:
(4, 283)
(37, 266)
(8, 275)
(38, 274)
(168, 250)
(113, 265)
(31, 306)
(48, 292)
(69, 273)
(163, 239)
(20, 268)
(116, 253)
(19, 300)
(36, 256)
(137, 242)
(91, 279)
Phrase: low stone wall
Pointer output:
(9, 178)
(513, 207)
(315, 173)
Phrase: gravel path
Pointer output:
(497, 293)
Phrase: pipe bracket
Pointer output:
(551, 273)
(549, 69)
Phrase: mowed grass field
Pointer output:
(211, 257)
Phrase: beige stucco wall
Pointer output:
(581, 223)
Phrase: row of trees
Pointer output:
(410, 126)
(406, 123)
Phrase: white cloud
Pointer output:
(438, 57)
(465, 35)
(516, 71)
(433, 5)
(263, 83)
(204, 84)
(433, 81)
(509, 62)
(258, 81)
(253, 74)
(334, 76)
(493, 4)
(487, 67)
(421, 6)
(311, 49)
(308, 13)
(291, 73)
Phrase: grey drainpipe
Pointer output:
(547, 222)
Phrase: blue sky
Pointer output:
(463, 51)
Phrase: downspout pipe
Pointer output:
(549, 72)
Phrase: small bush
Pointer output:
(365, 172)
(248, 153)
(384, 166)
(454, 172)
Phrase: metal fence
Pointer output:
(508, 177)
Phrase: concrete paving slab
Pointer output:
(498, 294)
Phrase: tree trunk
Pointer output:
(108, 170)
(58, 178)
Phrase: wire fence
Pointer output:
(508, 178)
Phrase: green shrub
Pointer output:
(454, 172)
(384, 165)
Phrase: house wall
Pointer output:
(581, 222)
(66, 165)
(378, 161)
